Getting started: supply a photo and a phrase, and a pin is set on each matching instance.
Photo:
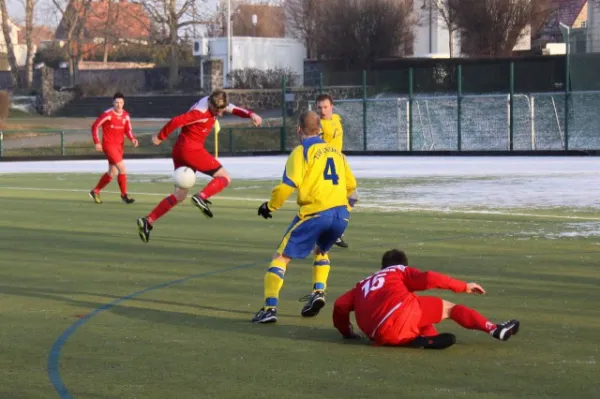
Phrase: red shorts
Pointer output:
(114, 154)
(432, 308)
(198, 159)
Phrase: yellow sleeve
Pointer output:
(293, 175)
(350, 179)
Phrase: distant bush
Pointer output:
(4, 105)
(253, 78)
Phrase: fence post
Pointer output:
(1, 141)
(283, 109)
(364, 100)
(320, 82)
(282, 139)
(567, 92)
(511, 103)
(230, 135)
(62, 143)
(411, 84)
(459, 107)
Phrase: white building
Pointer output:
(20, 49)
(432, 39)
(253, 52)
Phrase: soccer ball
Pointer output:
(184, 177)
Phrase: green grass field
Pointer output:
(171, 318)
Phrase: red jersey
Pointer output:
(386, 298)
(114, 126)
(197, 123)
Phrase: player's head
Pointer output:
(393, 257)
(309, 125)
(118, 101)
(217, 102)
(325, 106)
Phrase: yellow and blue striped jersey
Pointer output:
(321, 175)
(333, 132)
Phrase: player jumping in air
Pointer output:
(196, 125)
(324, 182)
(389, 313)
(332, 134)
(115, 123)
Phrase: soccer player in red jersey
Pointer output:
(115, 123)
(389, 313)
(196, 125)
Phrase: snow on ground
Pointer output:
(436, 182)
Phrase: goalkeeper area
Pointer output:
(538, 122)
(89, 311)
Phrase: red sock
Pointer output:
(215, 186)
(428, 331)
(163, 207)
(104, 180)
(471, 319)
(122, 179)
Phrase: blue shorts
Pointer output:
(322, 229)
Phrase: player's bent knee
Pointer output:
(447, 308)
(180, 193)
(222, 172)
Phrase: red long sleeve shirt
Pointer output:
(114, 128)
(387, 296)
(197, 123)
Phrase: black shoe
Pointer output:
(440, 341)
(127, 199)
(95, 196)
(265, 316)
(505, 330)
(341, 243)
(314, 304)
(144, 229)
(203, 204)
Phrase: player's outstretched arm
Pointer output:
(244, 113)
(417, 280)
(341, 315)
(177, 122)
(293, 175)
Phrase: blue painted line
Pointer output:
(53, 368)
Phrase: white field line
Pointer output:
(360, 205)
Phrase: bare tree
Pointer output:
(492, 28)
(171, 16)
(304, 19)
(441, 9)
(74, 14)
(10, 48)
(29, 11)
(361, 31)
(110, 34)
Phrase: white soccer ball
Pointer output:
(184, 177)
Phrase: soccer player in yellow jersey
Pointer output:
(332, 133)
(325, 185)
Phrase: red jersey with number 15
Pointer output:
(114, 127)
(387, 297)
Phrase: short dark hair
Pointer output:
(394, 257)
(310, 123)
(118, 95)
(218, 99)
(323, 97)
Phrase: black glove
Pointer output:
(264, 211)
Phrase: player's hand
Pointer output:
(156, 140)
(474, 288)
(354, 334)
(99, 147)
(264, 211)
(135, 142)
(256, 120)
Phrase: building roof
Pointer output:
(126, 20)
(565, 11)
(39, 34)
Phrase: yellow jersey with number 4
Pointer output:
(333, 132)
(321, 175)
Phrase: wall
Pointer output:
(258, 52)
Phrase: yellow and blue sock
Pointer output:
(320, 272)
(273, 283)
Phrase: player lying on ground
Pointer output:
(333, 134)
(389, 313)
(115, 123)
(324, 182)
(196, 125)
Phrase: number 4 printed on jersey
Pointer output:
(330, 172)
(372, 283)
